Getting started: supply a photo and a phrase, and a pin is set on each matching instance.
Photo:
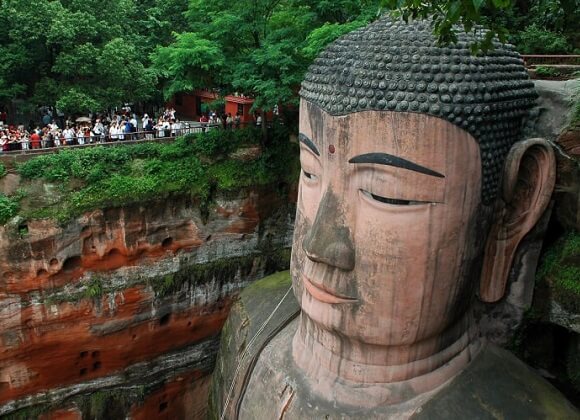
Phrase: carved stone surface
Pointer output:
(390, 65)
(396, 233)
(495, 383)
(551, 119)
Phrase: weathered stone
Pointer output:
(9, 183)
(495, 385)
(552, 119)
(553, 111)
(401, 217)
(119, 290)
(392, 65)
(567, 193)
(560, 316)
(499, 321)
(135, 381)
(247, 330)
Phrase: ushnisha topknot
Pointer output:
(396, 66)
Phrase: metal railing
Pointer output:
(47, 146)
(531, 60)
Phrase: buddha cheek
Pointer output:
(298, 257)
(393, 279)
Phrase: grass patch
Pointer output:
(560, 269)
(94, 289)
(221, 270)
(32, 412)
(546, 71)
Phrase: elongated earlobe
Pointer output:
(529, 177)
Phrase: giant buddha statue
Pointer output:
(416, 189)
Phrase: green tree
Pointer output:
(259, 47)
(549, 27)
(447, 14)
(83, 54)
(538, 26)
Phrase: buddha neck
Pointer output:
(422, 366)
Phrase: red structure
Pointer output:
(189, 105)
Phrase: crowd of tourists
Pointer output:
(56, 131)
(120, 126)
(224, 120)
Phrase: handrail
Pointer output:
(106, 139)
(553, 59)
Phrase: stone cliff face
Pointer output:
(117, 313)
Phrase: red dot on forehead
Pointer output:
(331, 148)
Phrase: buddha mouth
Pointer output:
(324, 295)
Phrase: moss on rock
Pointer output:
(560, 270)
(66, 184)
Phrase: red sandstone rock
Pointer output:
(55, 331)
(183, 398)
(62, 414)
(65, 343)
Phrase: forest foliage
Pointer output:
(84, 55)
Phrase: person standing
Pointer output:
(68, 134)
(149, 129)
(128, 130)
(98, 131)
(80, 135)
(4, 143)
(175, 128)
(145, 122)
(35, 139)
(113, 133)
(166, 128)
(121, 130)
(134, 125)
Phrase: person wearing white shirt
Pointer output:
(98, 131)
(68, 134)
(113, 131)
(80, 136)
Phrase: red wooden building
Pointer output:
(189, 105)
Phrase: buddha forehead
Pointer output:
(387, 139)
(394, 66)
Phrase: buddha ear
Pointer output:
(528, 181)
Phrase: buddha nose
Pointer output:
(329, 239)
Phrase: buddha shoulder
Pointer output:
(255, 376)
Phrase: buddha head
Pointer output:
(416, 189)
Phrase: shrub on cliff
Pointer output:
(560, 269)
(195, 165)
(8, 208)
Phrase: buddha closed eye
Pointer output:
(311, 166)
(395, 161)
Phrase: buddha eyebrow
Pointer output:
(390, 160)
(308, 143)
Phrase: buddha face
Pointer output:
(385, 246)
